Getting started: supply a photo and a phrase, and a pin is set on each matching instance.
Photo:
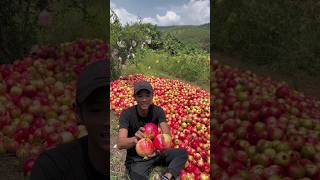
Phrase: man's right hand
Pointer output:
(140, 133)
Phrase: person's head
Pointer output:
(143, 94)
(91, 102)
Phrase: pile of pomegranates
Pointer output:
(187, 113)
(36, 97)
(152, 141)
(262, 128)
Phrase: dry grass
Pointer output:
(10, 168)
(117, 157)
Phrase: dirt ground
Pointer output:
(10, 168)
(117, 157)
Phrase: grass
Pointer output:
(70, 24)
(198, 36)
(191, 69)
(117, 158)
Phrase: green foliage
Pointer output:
(18, 29)
(172, 45)
(193, 68)
(77, 19)
(156, 53)
(69, 20)
(126, 39)
(115, 32)
(283, 35)
(197, 37)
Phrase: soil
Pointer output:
(10, 168)
(117, 157)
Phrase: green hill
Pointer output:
(197, 36)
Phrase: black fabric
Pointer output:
(164, 178)
(140, 85)
(93, 76)
(173, 159)
(66, 162)
(131, 120)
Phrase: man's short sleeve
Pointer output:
(124, 121)
(45, 169)
(162, 115)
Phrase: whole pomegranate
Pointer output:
(162, 142)
(144, 148)
(151, 130)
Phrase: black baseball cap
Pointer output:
(92, 77)
(140, 85)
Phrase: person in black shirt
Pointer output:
(131, 131)
(85, 158)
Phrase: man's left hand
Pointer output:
(157, 152)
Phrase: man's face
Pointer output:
(96, 118)
(144, 99)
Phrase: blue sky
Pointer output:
(163, 12)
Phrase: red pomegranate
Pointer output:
(27, 166)
(162, 142)
(151, 130)
(144, 148)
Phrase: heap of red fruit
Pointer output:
(150, 130)
(187, 113)
(36, 97)
(152, 141)
(262, 128)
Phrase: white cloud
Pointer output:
(112, 5)
(171, 18)
(123, 15)
(195, 12)
(149, 20)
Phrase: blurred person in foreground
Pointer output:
(131, 131)
(85, 158)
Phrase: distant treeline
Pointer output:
(283, 35)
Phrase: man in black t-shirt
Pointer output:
(131, 131)
(85, 158)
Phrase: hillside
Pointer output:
(197, 36)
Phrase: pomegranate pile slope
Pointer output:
(262, 128)
(187, 111)
(36, 96)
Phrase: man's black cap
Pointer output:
(140, 85)
(92, 77)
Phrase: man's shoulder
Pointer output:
(68, 148)
(129, 110)
(63, 154)
(63, 161)
(157, 108)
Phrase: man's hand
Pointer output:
(156, 152)
(140, 133)
(124, 142)
(135, 140)
(165, 128)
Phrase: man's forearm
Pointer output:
(126, 143)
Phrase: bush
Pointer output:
(194, 68)
(126, 40)
(69, 21)
(283, 35)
